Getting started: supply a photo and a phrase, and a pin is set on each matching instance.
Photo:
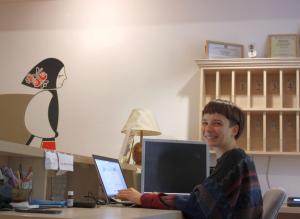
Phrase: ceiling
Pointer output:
(49, 14)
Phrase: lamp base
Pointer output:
(137, 153)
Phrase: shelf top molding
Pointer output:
(16, 149)
(249, 63)
(19, 150)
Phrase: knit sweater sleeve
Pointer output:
(158, 200)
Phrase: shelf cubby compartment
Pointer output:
(289, 88)
(289, 132)
(241, 88)
(225, 89)
(209, 86)
(257, 90)
(242, 140)
(272, 132)
(256, 132)
(274, 98)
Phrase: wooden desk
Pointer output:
(103, 212)
(286, 212)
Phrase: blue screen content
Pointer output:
(112, 177)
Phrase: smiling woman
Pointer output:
(232, 190)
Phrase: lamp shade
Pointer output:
(141, 120)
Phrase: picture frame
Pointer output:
(283, 45)
(219, 50)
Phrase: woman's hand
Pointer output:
(131, 195)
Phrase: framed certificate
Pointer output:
(216, 50)
(283, 45)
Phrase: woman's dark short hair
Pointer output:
(228, 109)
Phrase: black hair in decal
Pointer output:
(44, 74)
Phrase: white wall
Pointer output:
(120, 55)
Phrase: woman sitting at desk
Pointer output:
(232, 190)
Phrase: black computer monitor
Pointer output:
(173, 166)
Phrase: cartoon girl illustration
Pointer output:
(41, 116)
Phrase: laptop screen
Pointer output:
(111, 175)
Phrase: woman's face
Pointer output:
(61, 77)
(216, 131)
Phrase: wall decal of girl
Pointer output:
(41, 116)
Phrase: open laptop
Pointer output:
(111, 178)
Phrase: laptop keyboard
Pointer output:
(119, 201)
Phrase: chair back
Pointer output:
(272, 201)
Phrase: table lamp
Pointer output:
(141, 122)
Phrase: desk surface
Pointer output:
(109, 212)
(103, 212)
(292, 210)
(286, 212)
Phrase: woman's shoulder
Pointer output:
(235, 154)
(238, 152)
(232, 159)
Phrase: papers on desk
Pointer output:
(48, 203)
(59, 161)
(23, 205)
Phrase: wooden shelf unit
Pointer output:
(82, 180)
(267, 90)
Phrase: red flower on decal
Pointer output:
(29, 78)
(43, 76)
(36, 83)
